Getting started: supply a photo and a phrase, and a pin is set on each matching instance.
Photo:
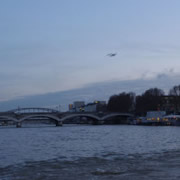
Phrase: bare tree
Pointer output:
(175, 91)
(124, 102)
(150, 100)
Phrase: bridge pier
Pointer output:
(97, 122)
(100, 122)
(18, 125)
(59, 123)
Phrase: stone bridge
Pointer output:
(24, 114)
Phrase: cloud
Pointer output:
(94, 91)
(161, 76)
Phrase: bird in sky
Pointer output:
(112, 54)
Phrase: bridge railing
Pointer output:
(33, 110)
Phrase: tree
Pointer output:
(150, 100)
(124, 102)
(175, 92)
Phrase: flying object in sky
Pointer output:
(112, 54)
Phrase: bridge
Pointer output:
(18, 116)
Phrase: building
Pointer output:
(70, 107)
(96, 106)
(91, 107)
(76, 106)
(155, 115)
(170, 104)
(152, 118)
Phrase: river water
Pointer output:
(90, 152)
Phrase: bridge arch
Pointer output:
(80, 115)
(8, 118)
(116, 115)
(55, 118)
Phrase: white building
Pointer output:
(94, 107)
(79, 106)
(91, 107)
(76, 106)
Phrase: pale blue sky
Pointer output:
(55, 45)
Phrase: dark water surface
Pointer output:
(90, 152)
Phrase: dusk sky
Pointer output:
(48, 46)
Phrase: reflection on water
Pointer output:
(90, 152)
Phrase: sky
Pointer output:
(56, 45)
